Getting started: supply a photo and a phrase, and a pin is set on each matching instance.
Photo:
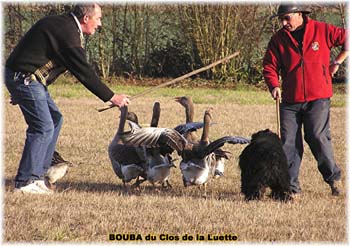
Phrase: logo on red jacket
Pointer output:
(315, 46)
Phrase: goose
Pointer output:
(198, 164)
(128, 162)
(159, 144)
(195, 166)
(132, 117)
(221, 156)
(158, 159)
(57, 170)
(188, 130)
(198, 159)
(133, 120)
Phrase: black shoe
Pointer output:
(335, 190)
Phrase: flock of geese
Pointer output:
(145, 153)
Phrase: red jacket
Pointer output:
(305, 76)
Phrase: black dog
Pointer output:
(263, 164)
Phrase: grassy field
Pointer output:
(90, 203)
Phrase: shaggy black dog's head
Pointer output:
(265, 134)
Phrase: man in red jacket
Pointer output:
(300, 53)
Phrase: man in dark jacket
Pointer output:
(300, 53)
(53, 45)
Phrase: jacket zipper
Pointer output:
(301, 63)
(303, 75)
(325, 72)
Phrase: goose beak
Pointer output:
(182, 100)
(209, 112)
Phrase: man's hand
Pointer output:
(333, 68)
(120, 100)
(339, 59)
(276, 93)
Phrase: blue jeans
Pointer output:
(315, 117)
(44, 122)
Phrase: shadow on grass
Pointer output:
(145, 190)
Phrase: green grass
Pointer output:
(243, 94)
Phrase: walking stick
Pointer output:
(278, 100)
(176, 80)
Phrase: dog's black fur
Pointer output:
(263, 164)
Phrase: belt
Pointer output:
(41, 74)
(27, 78)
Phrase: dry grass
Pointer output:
(90, 203)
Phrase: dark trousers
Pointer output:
(44, 122)
(314, 117)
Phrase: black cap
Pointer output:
(290, 8)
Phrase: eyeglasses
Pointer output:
(286, 17)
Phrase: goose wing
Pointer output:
(147, 136)
(221, 141)
(189, 127)
(153, 137)
(125, 154)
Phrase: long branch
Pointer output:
(176, 79)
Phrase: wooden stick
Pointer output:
(176, 79)
(278, 100)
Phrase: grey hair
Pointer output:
(80, 10)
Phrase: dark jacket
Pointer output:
(305, 75)
(57, 39)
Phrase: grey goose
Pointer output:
(158, 159)
(128, 162)
(188, 130)
(198, 159)
(199, 163)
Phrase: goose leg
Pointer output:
(205, 190)
(138, 182)
(200, 189)
(156, 188)
(184, 182)
(125, 188)
(167, 184)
